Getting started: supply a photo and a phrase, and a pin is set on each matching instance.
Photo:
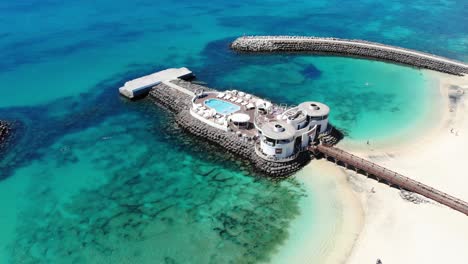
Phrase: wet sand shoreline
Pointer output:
(387, 224)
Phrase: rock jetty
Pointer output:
(348, 47)
(179, 104)
(5, 131)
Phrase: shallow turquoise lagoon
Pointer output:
(368, 100)
(94, 178)
(113, 193)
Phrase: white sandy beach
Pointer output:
(398, 231)
(330, 221)
(373, 220)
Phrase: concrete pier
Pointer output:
(346, 47)
(176, 97)
(141, 86)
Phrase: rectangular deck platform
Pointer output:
(143, 85)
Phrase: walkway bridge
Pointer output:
(392, 178)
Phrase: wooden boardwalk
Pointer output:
(391, 177)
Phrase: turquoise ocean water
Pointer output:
(93, 178)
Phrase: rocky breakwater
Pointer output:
(5, 131)
(179, 104)
(347, 47)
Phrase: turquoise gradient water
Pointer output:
(94, 178)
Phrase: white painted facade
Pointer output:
(223, 126)
(279, 138)
(277, 150)
(322, 124)
(305, 121)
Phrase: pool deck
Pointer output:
(251, 131)
(240, 142)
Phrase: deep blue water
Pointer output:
(95, 178)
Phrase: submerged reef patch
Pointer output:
(66, 115)
(311, 72)
(190, 205)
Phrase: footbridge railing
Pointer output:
(393, 178)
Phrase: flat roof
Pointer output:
(314, 109)
(155, 78)
(278, 130)
(240, 117)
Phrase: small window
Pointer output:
(270, 141)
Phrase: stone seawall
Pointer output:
(345, 47)
(179, 104)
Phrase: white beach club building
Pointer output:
(292, 131)
(316, 114)
(279, 133)
(277, 140)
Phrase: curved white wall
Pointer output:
(288, 149)
(209, 122)
(323, 124)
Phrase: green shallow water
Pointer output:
(87, 201)
(368, 99)
(135, 189)
(94, 178)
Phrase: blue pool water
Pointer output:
(118, 183)
(221, 106)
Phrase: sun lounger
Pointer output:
(220, 121)
(239, 101)
(250, 106)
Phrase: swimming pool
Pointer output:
(221, 106)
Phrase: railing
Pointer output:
(395, 178)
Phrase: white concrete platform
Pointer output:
(143, 84)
